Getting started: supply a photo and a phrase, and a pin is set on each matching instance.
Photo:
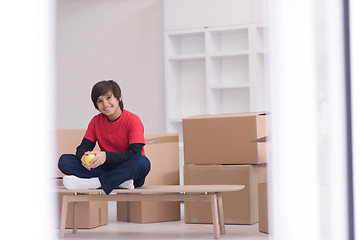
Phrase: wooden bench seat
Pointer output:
(210, 193)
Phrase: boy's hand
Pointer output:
(99, 159)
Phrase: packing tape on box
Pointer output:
(163, 139)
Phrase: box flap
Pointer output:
(161, 138)
(248, 114)
(262, 139)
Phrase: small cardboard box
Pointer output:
(162, 149)
(90, 214)
(224, 139)
(240, 207)
(263, 208)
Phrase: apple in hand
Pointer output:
(88, 158)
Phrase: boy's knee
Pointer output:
(64, 161)
(145, 163)
(146, 166)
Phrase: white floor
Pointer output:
(166, 230)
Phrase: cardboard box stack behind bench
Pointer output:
(163, 151)
(219, 149)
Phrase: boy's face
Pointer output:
(108, 104)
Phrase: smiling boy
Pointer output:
(121, 161)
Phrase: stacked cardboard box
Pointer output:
(163, 151)
(220, 149)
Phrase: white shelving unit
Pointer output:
(214, 59)
(214, 70)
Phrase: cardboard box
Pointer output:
(239, 207)
(90, 214)
(162, 149)
(263, 208)
(67, 142)
(224, 139)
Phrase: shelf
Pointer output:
(232, 71)
(228, 39)
(230, 100)
(186, 43)
(262, 51)
(229, 54)
(186, 57)
(230, 86)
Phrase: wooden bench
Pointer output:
(210, 193)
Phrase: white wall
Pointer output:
(107, 39)
(185, 14)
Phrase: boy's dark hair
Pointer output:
(103, 87)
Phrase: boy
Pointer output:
(121, 162)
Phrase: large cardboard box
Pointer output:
(263, 208)
(90, 214)
(240, 207)
(67, 141)
(162, 149)
(224, 139)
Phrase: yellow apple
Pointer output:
(88, 158)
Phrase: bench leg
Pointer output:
(75, 217)
(215, 215)
(64, 208)
(221, 213)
